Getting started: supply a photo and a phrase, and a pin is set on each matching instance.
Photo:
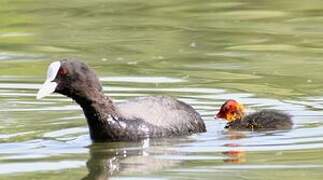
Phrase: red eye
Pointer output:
(62, 71)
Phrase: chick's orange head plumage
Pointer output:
(231, 110)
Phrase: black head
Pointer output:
(71, 78)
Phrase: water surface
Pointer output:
(266, 54)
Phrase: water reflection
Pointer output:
(64, 136)
(112, 159)
(236, 154)
(266, 54)
(103, 161)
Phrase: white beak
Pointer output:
(49, 87)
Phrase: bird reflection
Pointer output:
(108, 159)
(236, 154)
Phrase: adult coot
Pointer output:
(135, 119)
(234, 113)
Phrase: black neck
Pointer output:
(97, 109)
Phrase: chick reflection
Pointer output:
(235, 155)
(108, 159)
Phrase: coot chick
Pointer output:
(135, 119)
(234, 113)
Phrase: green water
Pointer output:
(266, 54)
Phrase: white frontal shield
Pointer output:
(49, 87)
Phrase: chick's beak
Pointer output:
(218, 115)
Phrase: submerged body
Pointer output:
(263, 120)
(135, 119)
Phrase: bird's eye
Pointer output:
(62, 72)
